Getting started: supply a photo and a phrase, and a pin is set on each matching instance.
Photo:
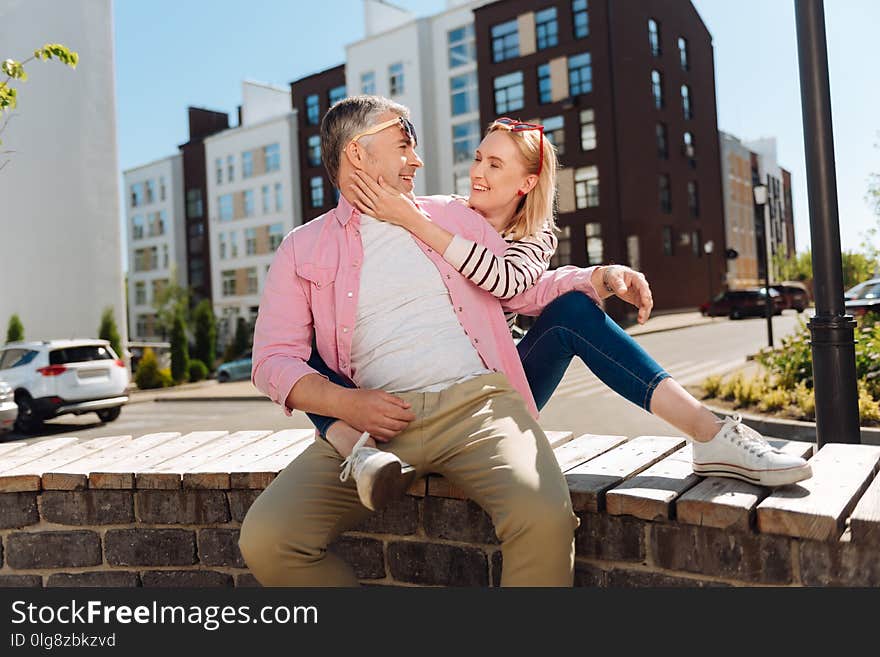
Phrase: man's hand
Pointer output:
(628, 284)
(376, 411)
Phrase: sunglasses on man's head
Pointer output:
(520, 126)
(405, 124)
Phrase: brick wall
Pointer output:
(189, 537)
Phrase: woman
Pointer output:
(513, 179)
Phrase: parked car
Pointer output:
(794, 295)
(57, 377)
(863, 298)
(742, 303)
(235, 370)
(8, 407)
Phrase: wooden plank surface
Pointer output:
(589, 481)
(140, 464)
(817, 507)
(6, 448)
(260, 473)
(557, 438)
(28, 475)
(650, 494)
(865, 519)
(33, 452)
(583, 448)
(74, 475)
(730, 503)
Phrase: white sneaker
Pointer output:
(381, 477)
(741, 452)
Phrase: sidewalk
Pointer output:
(245, 390)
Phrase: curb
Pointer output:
(233, 398)
(791, 429)
(667, 328)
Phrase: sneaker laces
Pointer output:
(348, 463)
(745, 437)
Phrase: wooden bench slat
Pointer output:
(6, 448)
(260, 473)
(144, 462)
(650, 494)
(27, 476)
(558, 438)
(34, 451)
(588, 482)
(864, 522)
(729, 503)
(817, 507)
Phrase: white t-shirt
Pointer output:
(407, 337)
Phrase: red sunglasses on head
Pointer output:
(519, 126)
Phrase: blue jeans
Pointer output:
(572, 325)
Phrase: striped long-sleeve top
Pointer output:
(504, 276)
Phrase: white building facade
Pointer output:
(60, 250)
(253, 183)
(156, 243)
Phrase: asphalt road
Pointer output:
(582, 403)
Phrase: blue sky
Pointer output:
(172, 54)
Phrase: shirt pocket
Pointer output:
(320, 278)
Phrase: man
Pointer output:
(392, 315)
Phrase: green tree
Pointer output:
(798, 267)
(857, 267)
(14, 330)
(170, 301)
(14, 70)
(179, 350)
(205, 333)
(108, 331)
(240, 342)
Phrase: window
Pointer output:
(693, 199)
(267, 199)
(657, 88)
(230, 168)
(683, 54)
(314, 150)
(144, 325)
(368, 82)
(221, 241)
(272, 153)
(687, 106)
(151, 191)
(462, 48)
(586, 187)
(276, 235)
(161, 188)
(580, 75)
(463, 89)
(581, 18)
(196, 272)
(665, 194)
(395, 78)
(554, 130)
(667, 241)
(224, 207)
(228, 282)
(505, 41)
(218, 170)
(153, 254)
(164, 256)
(563, 250)
(509, 93)
(595, 250)
(249, 210)
(316, 186)
(252, 280)
(588, 130)
(194, 208)
(156, 223)
(336, 94)
(140, 293)
(159, 284)
(137, 227)
(137, 195)
(465, 139)
(313, 110)
(233, 244)
(247, 164)
(278, 201)
(697, 243)
(250, 241)
(688, 149)
(654, 37)
(546, 28)
(545, 86)
(662, 142)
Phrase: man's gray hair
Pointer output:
(347, 118)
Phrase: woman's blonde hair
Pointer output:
(536, 208)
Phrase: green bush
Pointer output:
(711, 386)
(108, 331)
(774, 400)
(179, 350)
(749, 391)
(197, 370)
(805, 400)
(148, 375)
(205, 334)
(166, 378)
(14, 330)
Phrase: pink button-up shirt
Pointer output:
(312, 289)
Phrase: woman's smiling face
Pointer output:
(497, 173)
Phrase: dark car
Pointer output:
(794, 295)
(742, 303)
(863, 298)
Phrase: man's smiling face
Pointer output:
(390, 153)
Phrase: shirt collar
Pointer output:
(345, 211)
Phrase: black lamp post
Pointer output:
(761, 226)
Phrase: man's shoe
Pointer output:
(741, 452)
(381, 477)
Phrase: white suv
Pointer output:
(56, 377)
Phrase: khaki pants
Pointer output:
(479, 435)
